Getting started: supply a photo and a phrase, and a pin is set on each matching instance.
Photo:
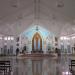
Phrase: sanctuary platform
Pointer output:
(38, 55)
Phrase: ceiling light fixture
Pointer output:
(14, 3)
(36, 11)
(60, 3)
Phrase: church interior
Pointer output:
(37, 37)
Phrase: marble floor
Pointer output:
(39, 66)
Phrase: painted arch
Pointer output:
(37, 42)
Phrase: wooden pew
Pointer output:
(5, 67)
(72, 67)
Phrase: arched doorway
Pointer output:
(36, 43)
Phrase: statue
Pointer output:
(17, 51)
(24, 49)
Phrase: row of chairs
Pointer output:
(5, 68)
(72, 67)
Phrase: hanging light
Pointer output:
(5, 38)
(37, 28)
(12, 38)
(9, 38)
(60, 3)
(36, 11)
(0, 37)
(64, 38)
(14, 3)
(73, 37)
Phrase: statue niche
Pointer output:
(37, 43)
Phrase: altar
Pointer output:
(41, 55)
(37, 41)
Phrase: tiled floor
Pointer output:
(39, 66)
